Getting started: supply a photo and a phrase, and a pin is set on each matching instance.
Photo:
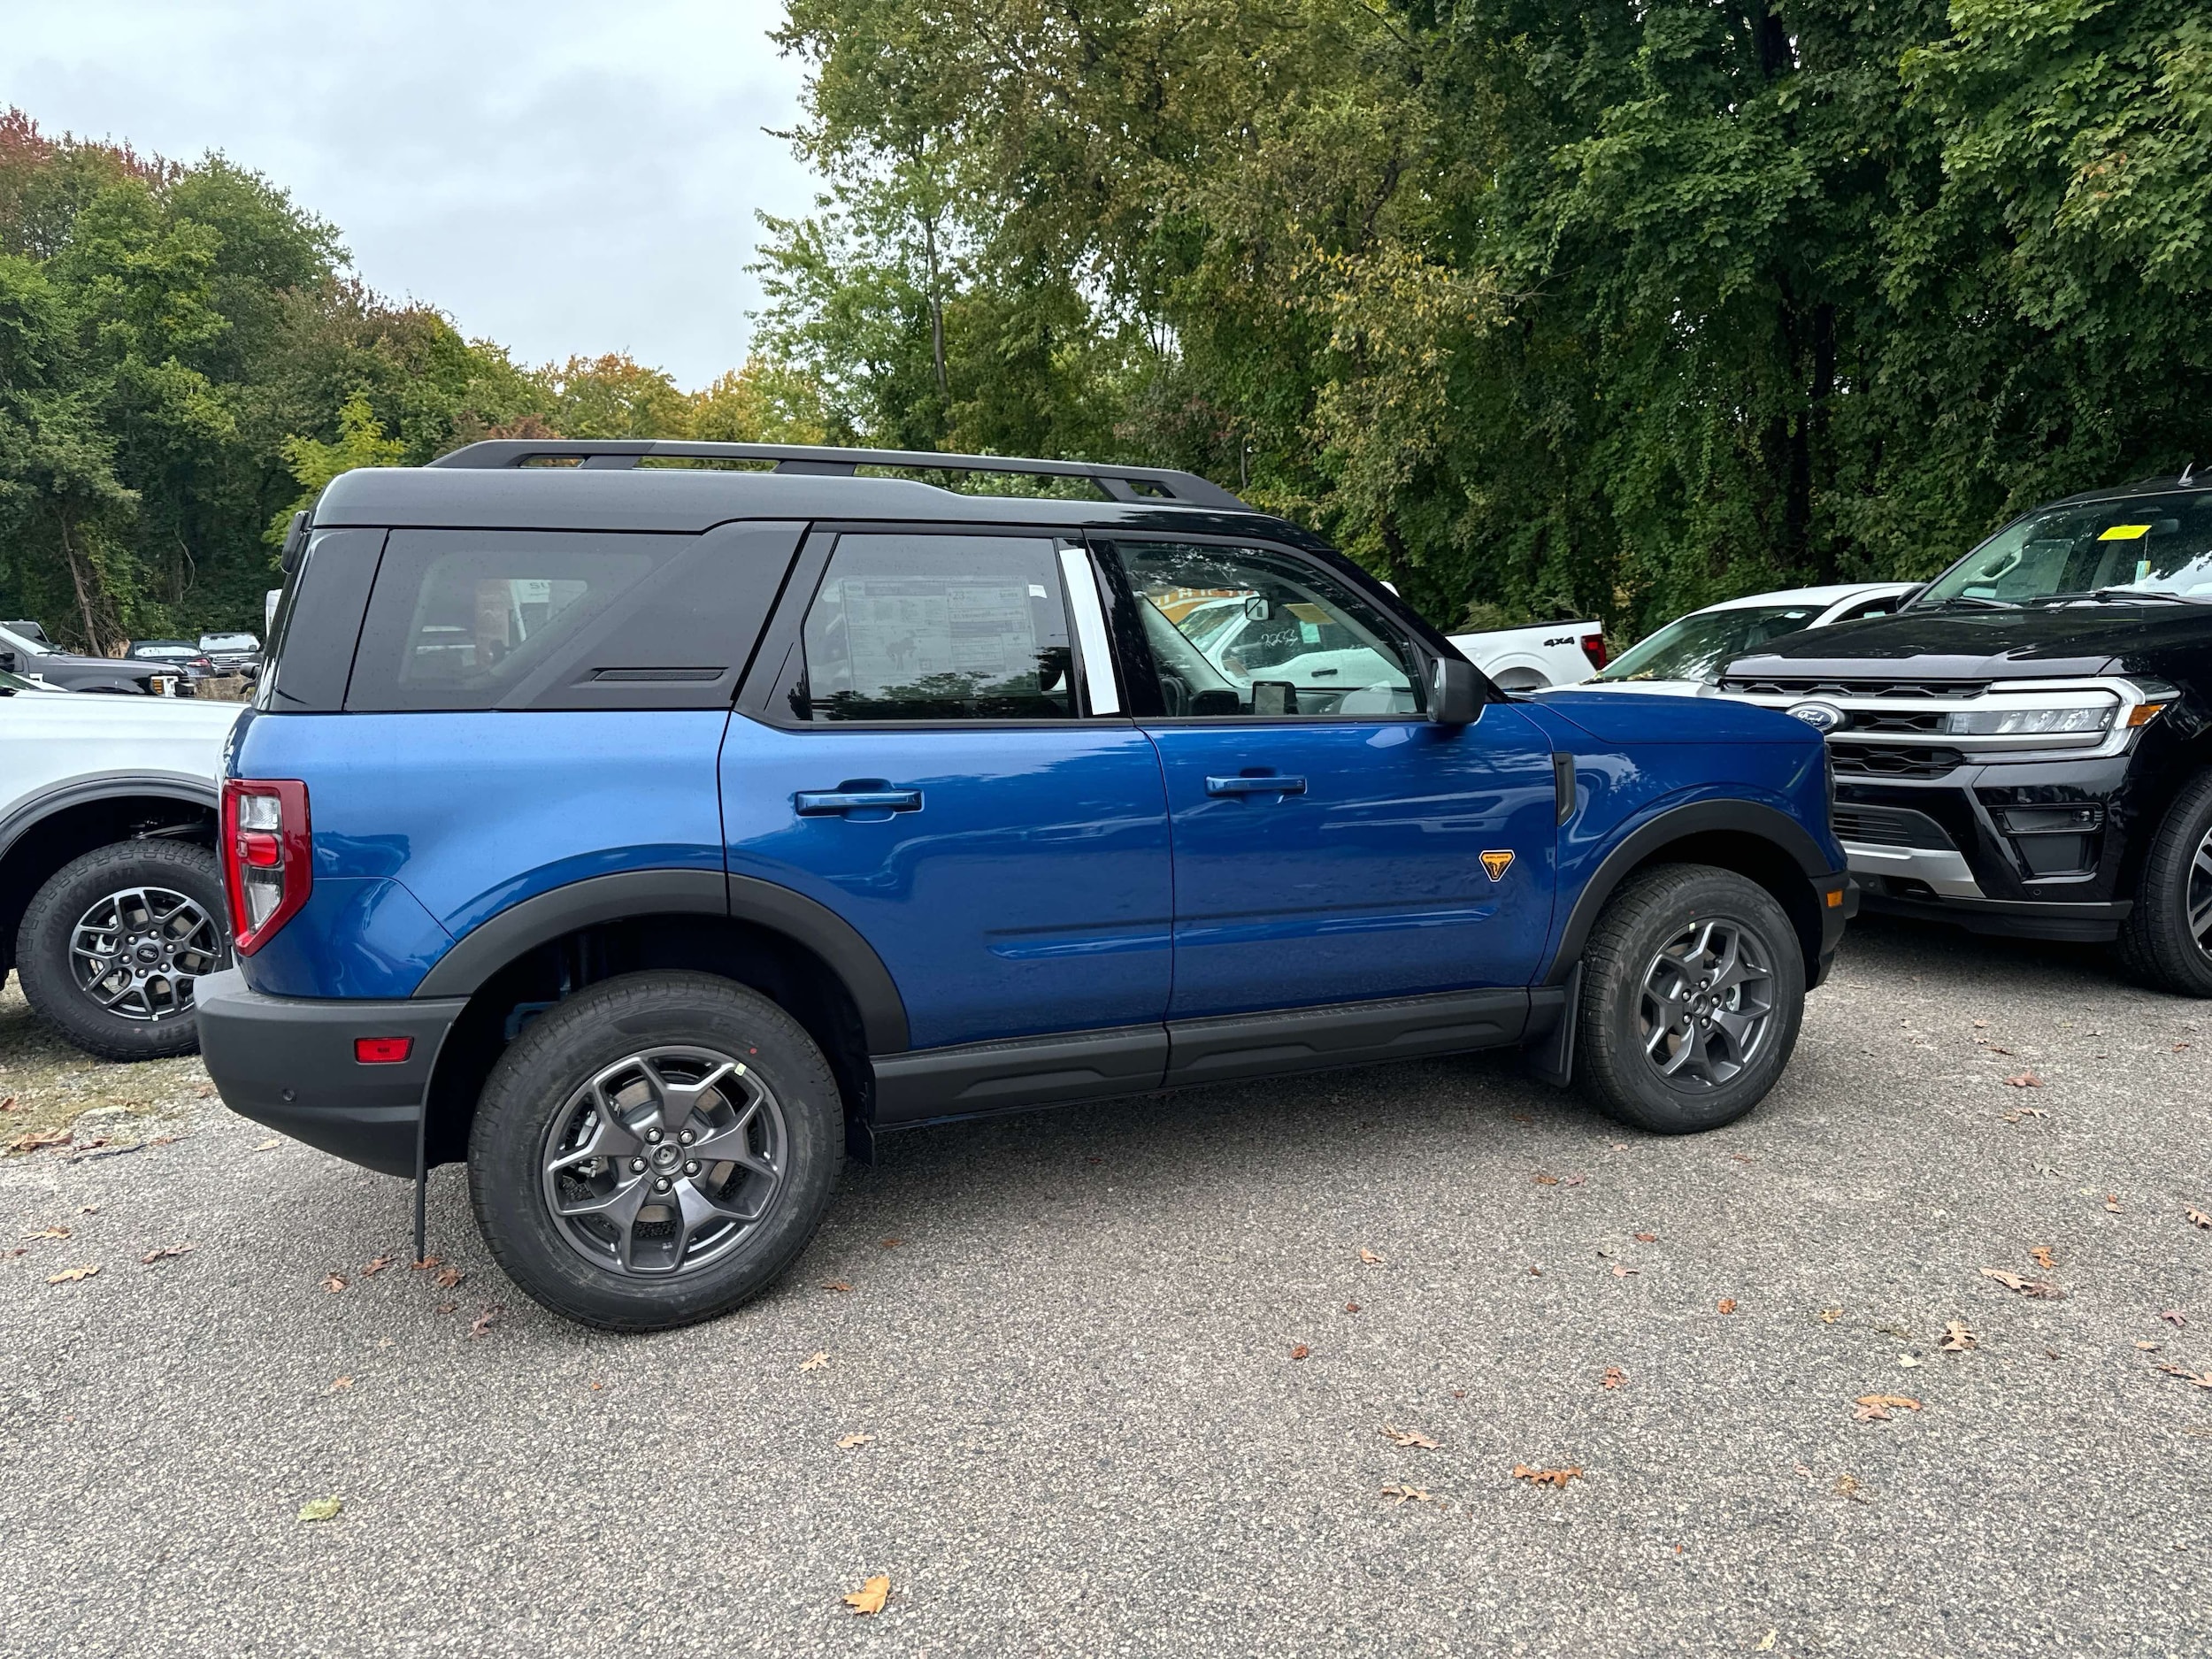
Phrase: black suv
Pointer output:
(2026, 747)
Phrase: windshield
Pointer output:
(229, 642)
(1699, 645)
(2144, 545)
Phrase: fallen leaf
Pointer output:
(43, 1138)
(1548, 1477)
(870, 1597)
(2179, 1046)
(1910, 1360)
(1877, 1408)
(1728, 1305)
(485, 1320)
(1300, 1351)
(1369, 1256)
(1847, 1486)
(88, 1210)
(447, 1278)
(2024, 1079)
(205, 1090)
(333, 1283)
(339, 1384)
(890, 1244)
(1543, 1180)
(1407, 1495)
(2198, 1219)
(1956, 1338)
(320, 1509)
(1993, 1049)
(2203, 1380)
(1647, 1237)
(2042, 1258)
(424, 1265)
(49, 1233)
(2112, 1202)
(71, 1275)
(845, 1442)
(2026, 1286)
(7, 1105)
(1536, 1272)
(1622, 1272)
(164, 1253)
(378, 1266)
(1740, 1158)
(1612, 1377)
(1829, 1316)
(2148, 1347)
(446, 1306)
(271, 1145)
(1409, 1437)
(1575, 1180)
(837, 1284)
(2175, 1317)
(817, 1361)
(1766, 1642)
(1981, 1025)
(1351, 1307)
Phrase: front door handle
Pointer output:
(1270, 784)
(836, 803)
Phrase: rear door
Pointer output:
(933, 745)
(1331, 845)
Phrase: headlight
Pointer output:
(2028, 722)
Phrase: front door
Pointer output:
(1330, 844)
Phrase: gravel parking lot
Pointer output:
(1128, 1378)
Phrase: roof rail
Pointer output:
(1138, 484)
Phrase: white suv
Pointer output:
(110, 901)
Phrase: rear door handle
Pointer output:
(1270, 784)
(835, 803)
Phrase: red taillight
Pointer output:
(266, 863)
(383, 1050)
(1593, 647)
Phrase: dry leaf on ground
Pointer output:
(378, 1266)
(871, 1596)
(1647, 1237)
(164, 1253)
(1877, 1408)
(271, 1144)
(838, 1285)
(1613, 1377)
(1956, 1338)
(485, 1320)
(1548, 1477)
(1728, 1305)
(2024, 1079)
(2042, 1258)
(426, 1265)
(846, 1443)
(320, 1509)
(2026, 1286)
(333, 1283)
(447, 1278)
(71, 1275)
(2198, 1219)
(1351, 1307)
(2112, 1202)
(1408, 1494)
(1409, 1437)
(892, 1244)
(1622, 1272)
(1829, 1316)
(49, 1233)
(339, 1384)
(1300, 1351)
(2202, 1380)
(1369, 1256)
(1543, 1180)
(817, 1361)
(2174, 1316)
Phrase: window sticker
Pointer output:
(2125, 533)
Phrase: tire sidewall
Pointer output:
(42, 941)
(542, 1068)
(2174, 960)
(1663, 909)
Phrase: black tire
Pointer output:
(168, 1023)
(538, 1093)
(2156, 944)
(1656, 911)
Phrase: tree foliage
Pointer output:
(1608, 305)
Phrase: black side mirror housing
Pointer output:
(8, 662)
(1455, 699)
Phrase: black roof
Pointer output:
(2152, 486)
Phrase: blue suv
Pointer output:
(653, 826)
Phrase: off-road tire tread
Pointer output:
(41, 962)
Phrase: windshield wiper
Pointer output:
(2110, 593)
(1975, 600)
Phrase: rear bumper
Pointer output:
(287, 1062)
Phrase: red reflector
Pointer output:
(1593, 647)
(259, 849)
(383, 1050)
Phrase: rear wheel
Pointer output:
(1692, 991)
(114, 942)
(2166, 939)
(656, 1151)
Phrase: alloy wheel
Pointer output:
(663, 1162)
(135, 954)
(1706, 1002)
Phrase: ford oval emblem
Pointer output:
(1822, 716)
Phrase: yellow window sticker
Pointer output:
(2125, 533)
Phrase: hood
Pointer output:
(2046, 643)
(1626, 717)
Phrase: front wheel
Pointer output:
(1692, 991)
(2166, 939)
(112, 944)
(656, 1149)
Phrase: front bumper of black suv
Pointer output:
(290, 1061)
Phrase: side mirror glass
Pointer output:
(1454, 698)
(8, 663)
(1255, 608)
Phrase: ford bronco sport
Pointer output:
(652, 830)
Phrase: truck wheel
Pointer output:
(111, 945)
(2166, 942)
(1693, 989)
(655, 1150)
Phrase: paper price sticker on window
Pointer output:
(2125, 533)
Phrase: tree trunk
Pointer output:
(79, 579)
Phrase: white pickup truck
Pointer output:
(110, 901)
(1529, 659)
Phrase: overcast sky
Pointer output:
(560, 177)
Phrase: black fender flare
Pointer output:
(1694, 818)
(494, 943)
(181, 787)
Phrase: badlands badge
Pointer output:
(1497, 863)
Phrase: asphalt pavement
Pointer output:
(1116, 1398)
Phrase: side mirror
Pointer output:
(1453, 697)
(7, 660)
